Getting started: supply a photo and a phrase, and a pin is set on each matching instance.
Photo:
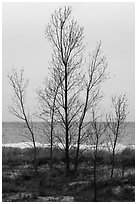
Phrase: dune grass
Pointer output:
(18, 176)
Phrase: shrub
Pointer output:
(127, 157)
(9, 187)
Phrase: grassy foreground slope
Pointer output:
(19, 183)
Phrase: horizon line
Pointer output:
(43, 121)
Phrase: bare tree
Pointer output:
(96, 138)
(116, 124)
(19, 85)
(66, 37)
(47, 100)
(95, 76)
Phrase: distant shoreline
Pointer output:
(43, 122)
(105, 146)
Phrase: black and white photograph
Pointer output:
(68, 101)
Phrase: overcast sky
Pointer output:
(25, 46)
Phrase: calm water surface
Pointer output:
(15, 132)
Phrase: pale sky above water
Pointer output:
(24, 45)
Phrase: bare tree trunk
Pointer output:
(51, 141)
(96, 133)
(113, 153)
(34, 144)
(95, 182)
(113, 164)
(77, 151)
(51, 152)
(35, 160)
(66, 123)
(80, 128)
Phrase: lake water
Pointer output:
(13, 132)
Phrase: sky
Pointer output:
(24, 46)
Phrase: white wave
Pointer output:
(23, 145)
(107, 146)
(104, 146)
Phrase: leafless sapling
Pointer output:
(96, 133)
(47, 99)
(19, 85)
(116, 123)
(96, 74)
(66, 37)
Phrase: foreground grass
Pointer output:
(21, 184)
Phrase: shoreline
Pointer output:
(105, 146)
